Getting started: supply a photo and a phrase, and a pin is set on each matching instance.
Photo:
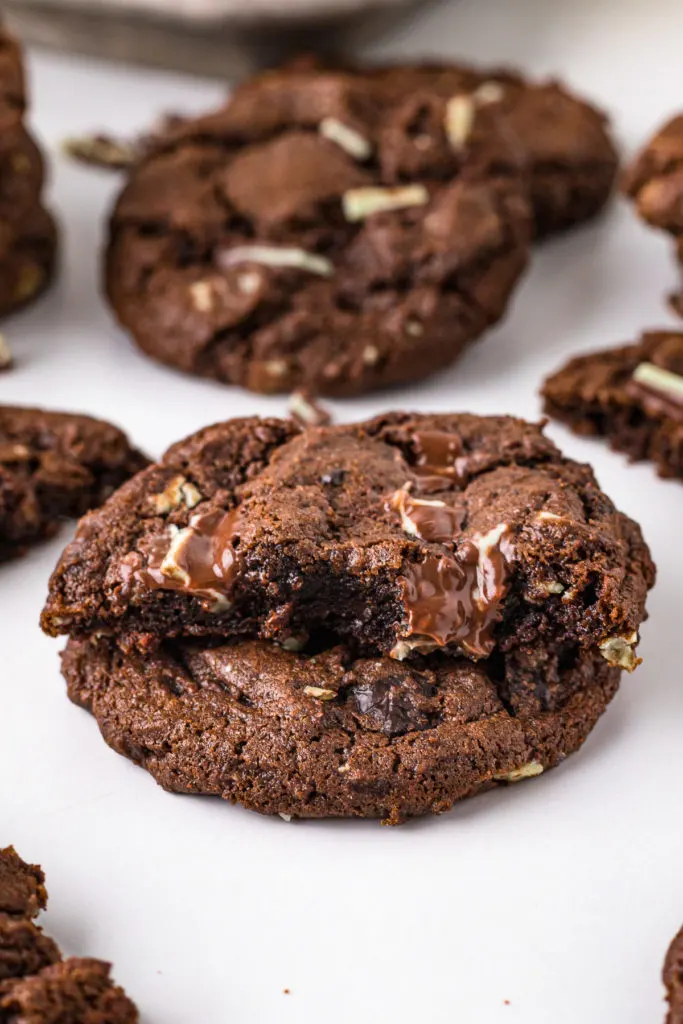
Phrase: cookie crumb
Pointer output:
(286, 992)
(306, 412)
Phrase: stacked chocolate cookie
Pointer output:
(27, 231)
(347, 229)
(36, 984)
(367, 620)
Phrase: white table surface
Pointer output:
(559, 895)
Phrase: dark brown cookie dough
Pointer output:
(328, 735)
(654, 182)
(404, 534)
(12, 84)
(36, 985)
(318, 232)
(55, 465)
(569, 153)
(22, 176)
(28, 236)
(22, 886)
(632, 395)
(27, 259)
(672, 976)
(75, 991)
(24, 949)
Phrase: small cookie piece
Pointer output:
(654, 181)
(55, 465)
(329, 735)
(632, 395)
(75, 991)
(406, 533)
(317, 234)
(22, 886)
(672, 976)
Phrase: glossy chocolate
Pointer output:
(439, 454)
(200, 560)
(455, 599)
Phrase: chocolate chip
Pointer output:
(391, 705)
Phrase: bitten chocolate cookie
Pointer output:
(654, 182)
(672, 976)
(320, 232)
(631, 395)
(36, 985)
(569, 154)
(326, 734)
(55, 465)
(408, 533)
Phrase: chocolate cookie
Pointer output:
(672, 977)
(54, 465)
(631, 395)
(569, 153)
(327, 734)
(28, 237)
(408, 533)
(36, 985)
(27, 259)
(319, 232)
(654, 182)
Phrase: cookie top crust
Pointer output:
(328, 734)
(54, 465)
(22, 886)
(402, 535)
(565, 142)
(319, 232)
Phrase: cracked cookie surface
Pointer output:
(402, 535)
(321, 232)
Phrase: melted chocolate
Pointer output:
(455, 599)
(654, 402)
(201, 560)
(439, 454)
(431, 521)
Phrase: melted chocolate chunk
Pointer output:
(429, 520)
(391, 705)
(201, 559)
(440, 454)
(456, 600)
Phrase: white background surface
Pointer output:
(559, 895)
